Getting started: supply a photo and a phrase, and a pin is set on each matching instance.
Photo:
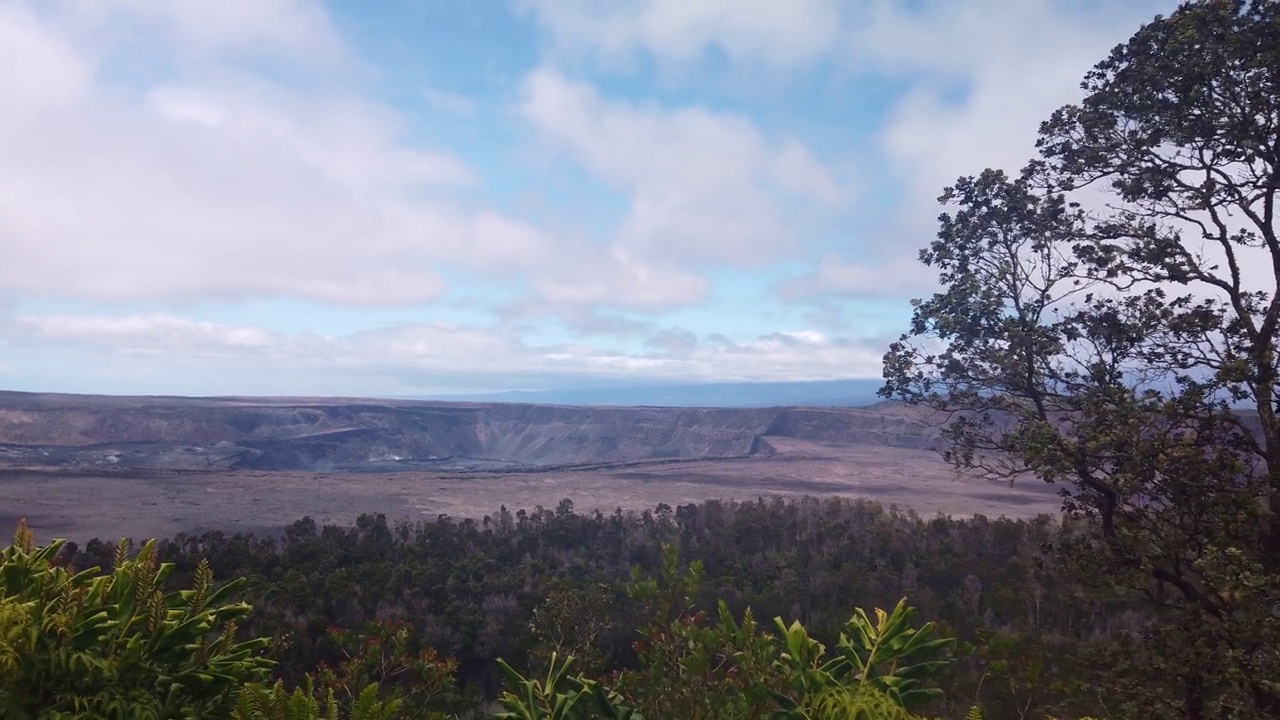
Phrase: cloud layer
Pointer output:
(596, 207)
(422, 357)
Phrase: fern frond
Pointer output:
(23, 537)
(862, 703)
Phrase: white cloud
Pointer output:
(794, 356)
(835, 276)
(620, 281)
(703, 186)
(226, 192)
(44, 72)
(1014, 64)
(673, 341)
(978, 78)
(441, 352)
(142, 333)
(797, 171)
(225, 185)
(350, 143)
(199, 189)
(936, 37)
(298, 29)
(777, 33)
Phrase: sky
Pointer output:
(422, 197)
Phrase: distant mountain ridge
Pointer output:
(87, 431)
(821, 393)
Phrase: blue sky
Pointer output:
(398, 198)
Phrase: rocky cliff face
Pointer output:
(303, 434)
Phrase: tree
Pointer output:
(1109, 321)
(574, 621)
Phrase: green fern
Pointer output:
(863, 703)
(841, 702)
(275, 702)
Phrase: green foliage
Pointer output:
(842, 703)
(1022, 671)
(275, 702)
(116, 645)
(123, 645)
(819, 688)
(560, 696)
(856, 703)
(894, 657)
(574, 620)
(879, 668)
(694, 668)
(380, 659)
(671, 593)
(691, 667)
